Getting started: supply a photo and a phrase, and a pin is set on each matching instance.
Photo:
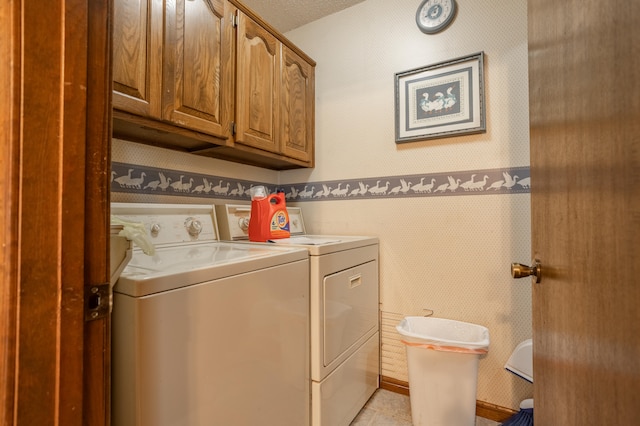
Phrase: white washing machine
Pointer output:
(345, 341)
(208, 332)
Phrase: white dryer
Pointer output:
(208, 332)
(345, 340)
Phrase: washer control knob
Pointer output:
(194, 226)
(155, 229)
(243, 223)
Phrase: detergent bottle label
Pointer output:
(280, 221)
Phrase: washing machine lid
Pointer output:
(173, 267)
(187, 250)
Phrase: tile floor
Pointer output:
(386, 408)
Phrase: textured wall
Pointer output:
(450, 253)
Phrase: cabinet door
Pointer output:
(198, 67)
(258, 86)
(137, 56)
(297, 106)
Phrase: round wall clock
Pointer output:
(435, 15)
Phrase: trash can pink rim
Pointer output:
(446, 348)
(444, 335)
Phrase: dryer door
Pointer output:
(350, 311)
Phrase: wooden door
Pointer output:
(55, 91)
(257, 93)
(584, 72)
(198, 65)
(297, 107)
(137, 56)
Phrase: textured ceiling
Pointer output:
(285, 15)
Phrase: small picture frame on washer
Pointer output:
(440, 100)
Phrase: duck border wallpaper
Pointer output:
(132, 178)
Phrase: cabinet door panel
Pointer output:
(297, 106)
(198, 67)
(258, 86)
(137, 58)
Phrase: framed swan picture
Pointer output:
(440, 100)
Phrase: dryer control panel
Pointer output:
(233, 221)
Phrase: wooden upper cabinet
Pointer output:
(275, 94)
(137, 56)
(198, 65)
(297, 106)
(258, 61)
(212, 78)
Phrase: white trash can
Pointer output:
(442, 358)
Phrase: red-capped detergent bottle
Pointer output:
(269, 218)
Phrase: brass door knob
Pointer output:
(519, 270)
